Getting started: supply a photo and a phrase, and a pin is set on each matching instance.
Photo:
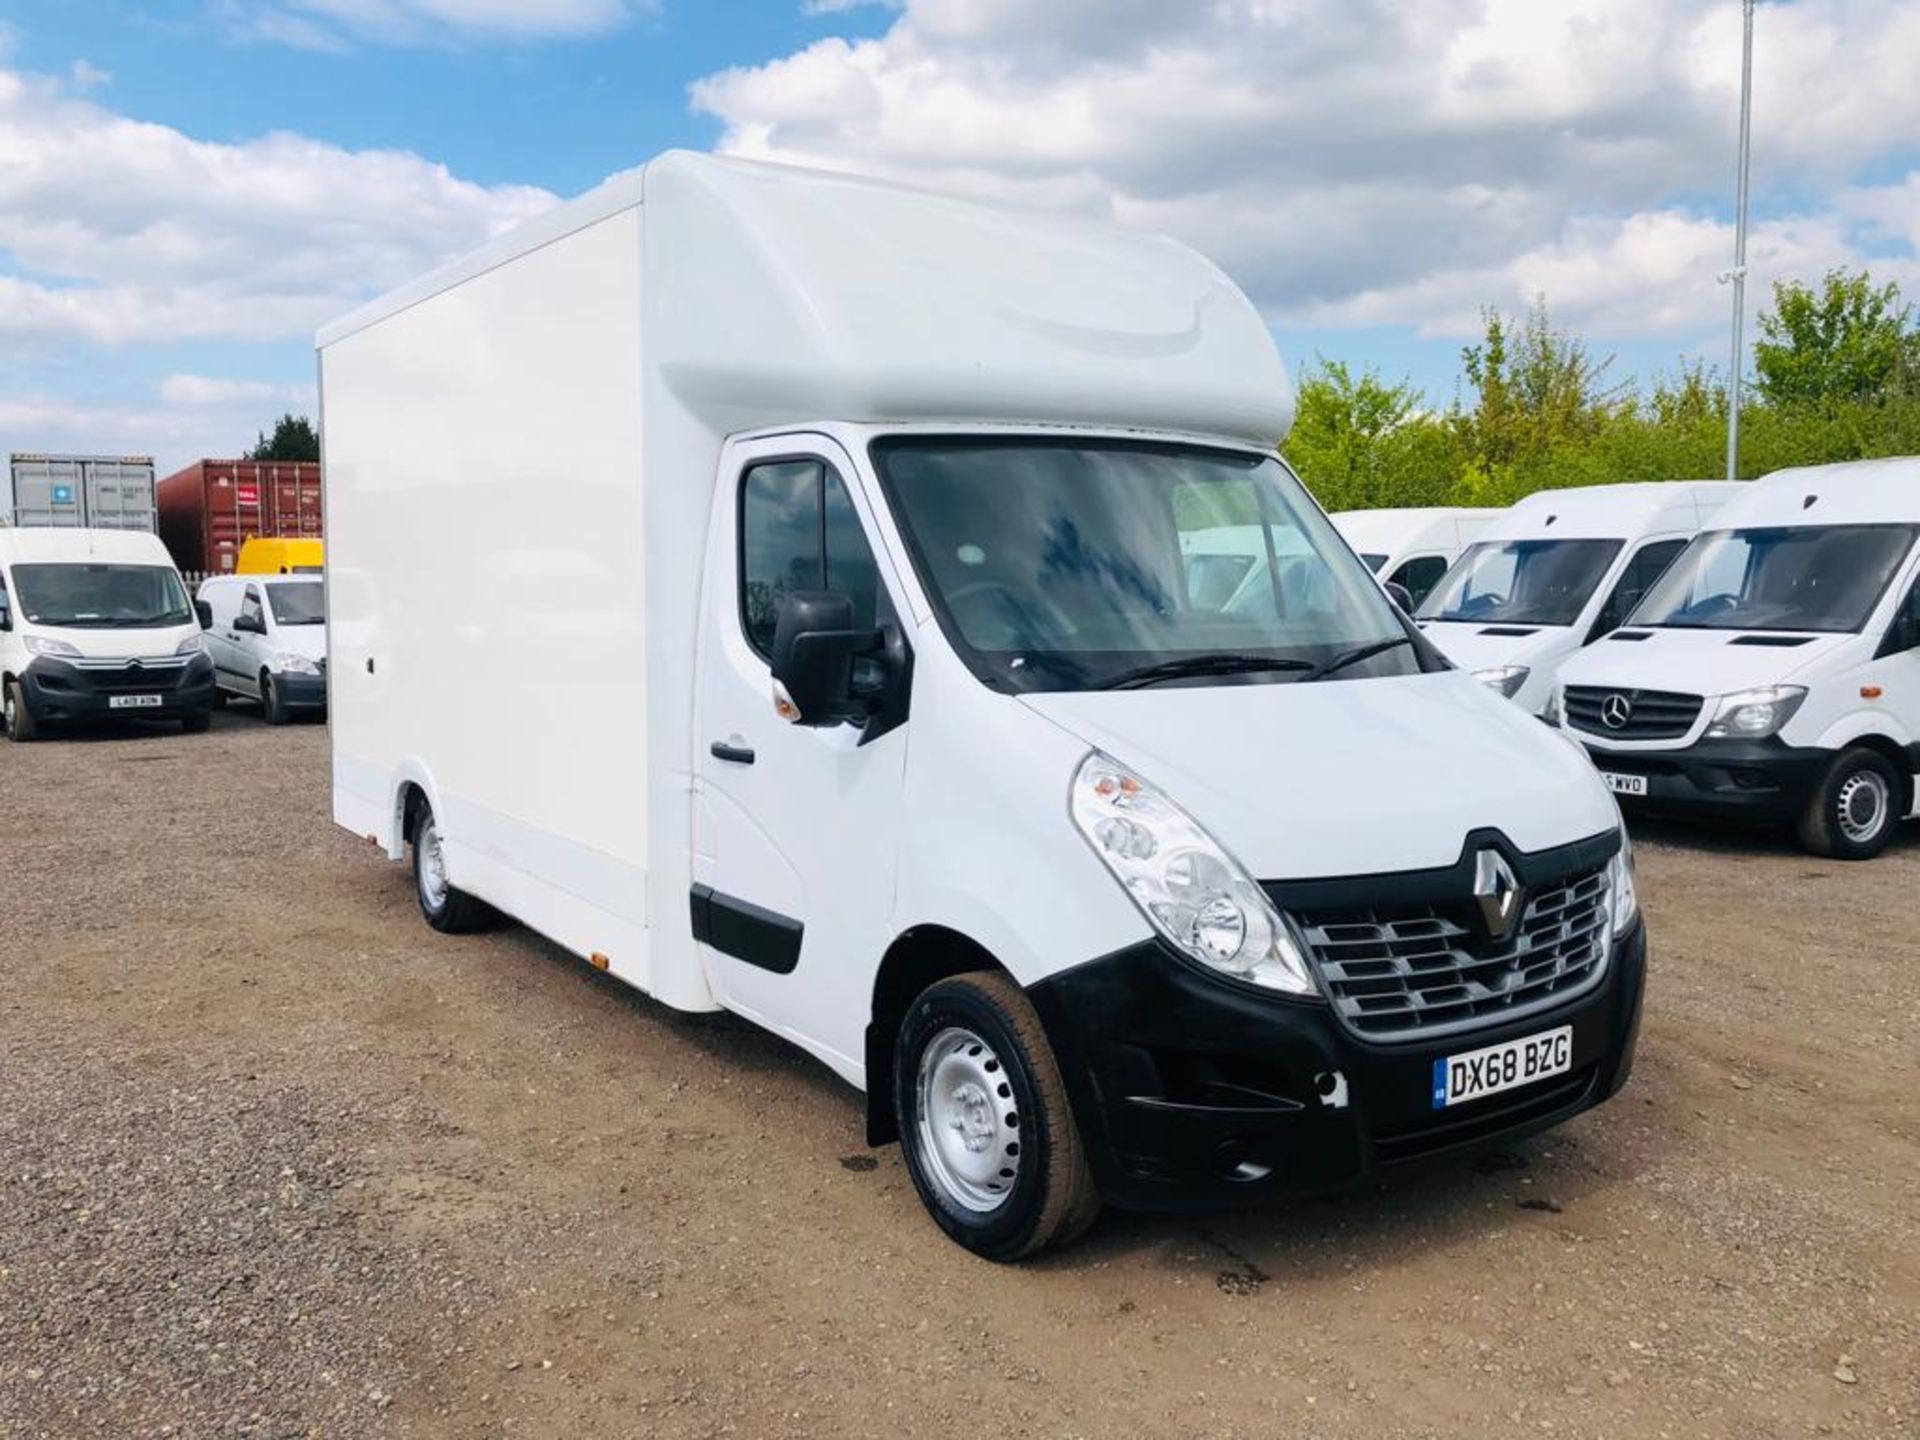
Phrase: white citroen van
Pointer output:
(268, 640)
(96, 624)
(1773, 673)
(852, 524)
(1414, 547)
(1558, 571)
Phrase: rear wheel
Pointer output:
(273, 704)
(17, 719)
(447, 909)
(1855, 808)
(985, 1123)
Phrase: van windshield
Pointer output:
(301, 604)
(1521, 582)
(1092, 564)
(1811, 577)
(86, 596)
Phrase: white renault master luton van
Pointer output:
(1414, 547)
(268, 641)
(851, 523)
(1774, 671)
(96, 624)
(1558, 571)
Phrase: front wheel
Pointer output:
(1855, 807)
(985, 1124)
(448, 909)
(18, 719)
(273, 703)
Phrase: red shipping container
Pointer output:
(211, 508)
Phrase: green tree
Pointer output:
(1531, 390)
(294, 438)
(1359, 441)
(1850, 340)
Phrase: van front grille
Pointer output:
(1418, 971)
(1631, 714)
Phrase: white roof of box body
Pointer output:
(1607, 512)
(784, 295)
(1858, 492)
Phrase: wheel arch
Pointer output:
(412, 790)
(1896, 754)
(919, 956)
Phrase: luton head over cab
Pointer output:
(828, 625)
(96, 624)
(1556, 572)
(1773, 673)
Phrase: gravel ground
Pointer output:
(275, 1160)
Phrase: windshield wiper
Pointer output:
(1353, 657)
(1189, 666)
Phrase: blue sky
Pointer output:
(195, 184)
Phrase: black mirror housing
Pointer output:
(253, 625)
(204, 612)
(814, 645)
(1400, 596)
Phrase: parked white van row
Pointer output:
(1558, 571)
(1412, 548)
(1774, 671)
(1121, 921)
(96, 624)
(268, 639)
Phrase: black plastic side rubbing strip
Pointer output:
(743, 930)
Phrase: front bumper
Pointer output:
(60, 690)
(1194, 1094)
(1762, 780)
(301, 692)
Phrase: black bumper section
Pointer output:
(1192, 1094)
(302, 692)
(1762, 780)
(56, 690)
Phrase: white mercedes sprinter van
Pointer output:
(268, 641)
(1774, 672)
(96, 624)
(1558, 571)
(851, 525)
(1414, 547)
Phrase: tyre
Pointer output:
(196, 722)
(447, 909)
(14, 715)
(219, 701)
(273, 704)
(1855, 808)
(985, 1123)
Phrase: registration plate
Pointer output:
(1625, 784)
(133, 702)
(1459, 1078)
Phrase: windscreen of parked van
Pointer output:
(83, 596)
(1068, 565)
(1813, 577)
(1521, 582)
(303, 604)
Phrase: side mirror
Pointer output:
(814, 645)
(205, 611)
(1400, 596)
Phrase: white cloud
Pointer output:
(173, 433)
(127, 232)
(88, 76)
(1376, 162)
(205, 391)
(841, 7)
(328, 24)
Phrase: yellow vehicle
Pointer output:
(262, 555)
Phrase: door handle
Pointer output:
(738, 754)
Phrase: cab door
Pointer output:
(794, 826)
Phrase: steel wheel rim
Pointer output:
(968, 1121)
(433, 865)
(1863, 805)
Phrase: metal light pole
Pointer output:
(1738, 274)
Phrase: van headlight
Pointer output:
(1191, 890)
(1755, 714)
(52, 649)
(1623, 891)
(291, 664)
(192, 645)
(1507, 679)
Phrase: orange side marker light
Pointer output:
(1871, 692)
(599, 961)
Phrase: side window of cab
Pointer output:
(799, 531)
(1419, 575)
(252, 611)
(1648, 564)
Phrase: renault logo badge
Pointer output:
(1615, 711)
(1497, 889)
